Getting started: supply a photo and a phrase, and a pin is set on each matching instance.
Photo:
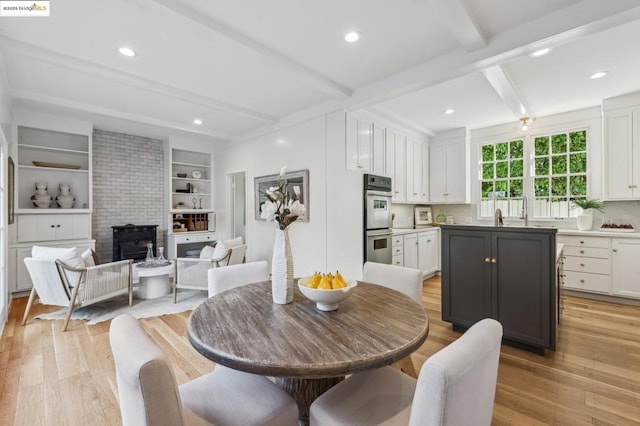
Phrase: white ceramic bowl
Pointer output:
(326, 300)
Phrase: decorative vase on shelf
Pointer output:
(65, 200)
(282, 269)
(585, 220)
(41, 198)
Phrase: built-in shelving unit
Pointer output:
(53, 158)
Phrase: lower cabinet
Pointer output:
(19, 279)
(508, 274)
(53, 227)
(178, 244)
(420, 250)
(625, 261)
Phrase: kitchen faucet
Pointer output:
(497, 219)
(525, 214)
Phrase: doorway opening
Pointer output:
(237, 205)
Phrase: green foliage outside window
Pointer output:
(559, 171)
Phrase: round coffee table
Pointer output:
(152, 281)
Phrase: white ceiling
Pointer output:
(248, 66)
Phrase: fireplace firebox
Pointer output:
(130, 241)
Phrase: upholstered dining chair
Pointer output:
(456, 387)
(149, 394)
(223, 279)
(405, 280)
(64, 277)
(191, 273)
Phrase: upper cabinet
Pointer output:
(449, 169)
(395, 164)
(372, 147)
(53, 171)
(622, 154)
(365, 144)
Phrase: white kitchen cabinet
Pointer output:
(359, 142)
(378, 143)
(622, 155)
(410, 251)
(421, 250)
(397, 253)
(395, 163)
(448, 172)
(19, 279)
(417, 187)
(587, 263)
(625, 259)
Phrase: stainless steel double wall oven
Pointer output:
(377, 218)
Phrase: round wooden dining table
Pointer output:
(305, 349)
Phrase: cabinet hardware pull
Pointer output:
(629, 186)
(53, 226)
(428, 241)
(396, 192)
(615, 250)
(415, 193)
(582, 264)
(494, 260)
(58, 226)
(581, 251)
(581, 242)
(487, 260)
(582, 281)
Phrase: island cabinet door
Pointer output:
(523, 279)
(466, 276)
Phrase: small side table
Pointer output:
(152, 281)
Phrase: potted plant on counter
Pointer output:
(586, 205)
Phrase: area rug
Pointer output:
(104, 311)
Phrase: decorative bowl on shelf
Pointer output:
(326, 300)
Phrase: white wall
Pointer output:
(332, 239)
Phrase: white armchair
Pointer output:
(191, 273)
(61, 277)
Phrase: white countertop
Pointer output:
(598, 233)
(403, 231)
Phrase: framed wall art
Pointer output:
(299, 179)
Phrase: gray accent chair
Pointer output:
(149, 394)
(456, 387)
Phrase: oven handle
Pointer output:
(380, 233)
(380, 193)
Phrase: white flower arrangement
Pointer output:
(282, 206)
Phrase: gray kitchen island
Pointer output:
(507, 273)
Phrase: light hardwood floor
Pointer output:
(55, 378)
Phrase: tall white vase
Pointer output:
(282, 269)
(585, 220)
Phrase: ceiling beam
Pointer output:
(27, 96)
(131, 80)
(505, 88)
(456, 17)
(319, 81)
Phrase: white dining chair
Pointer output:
(405, 280)
(149, 394)
(456, 387)
(223, 279)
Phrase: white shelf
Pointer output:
(179, 163)
(194, 194)
(50, 149)
(51, 210)
(189, 179)
(190, 211)
(55, 169)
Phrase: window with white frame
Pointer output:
(558, 174)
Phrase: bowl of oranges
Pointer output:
(326, 290)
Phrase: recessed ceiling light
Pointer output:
(197, 121)
(449, 111)
(597, 75)
(352, 37)
(540, 52)
(127, 51)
